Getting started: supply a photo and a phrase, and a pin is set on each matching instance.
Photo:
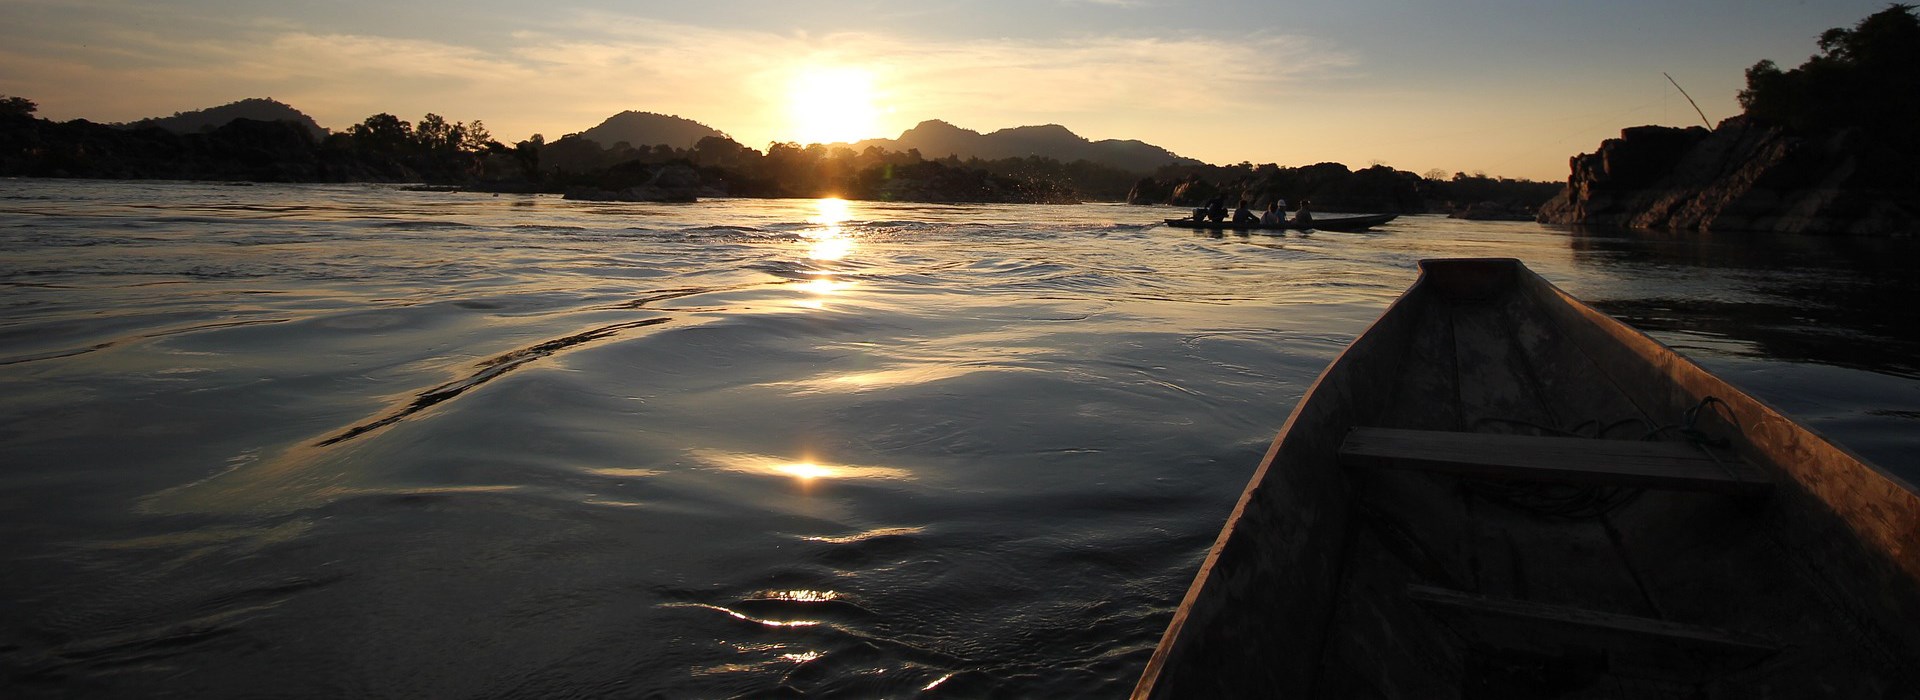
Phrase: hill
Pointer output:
(939, 139)
(256, 108)
(640, 129)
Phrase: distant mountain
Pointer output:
(263, 109)
(938, 139)
(641, 129)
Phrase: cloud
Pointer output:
(569, 73)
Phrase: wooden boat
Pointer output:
(1420, 529)
(1336, 223)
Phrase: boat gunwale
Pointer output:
(1769, 410)
(1172, 637)
(1838, 494)
(1767, 436)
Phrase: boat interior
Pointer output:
(1499, 492)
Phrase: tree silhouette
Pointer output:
(382, 133)
(17, 107)
(1868, 76)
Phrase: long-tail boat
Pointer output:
(1331, 223)
(1499, 491)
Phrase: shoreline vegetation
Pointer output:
(260, 140)
(1825, 148)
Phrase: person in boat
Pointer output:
(1243, 215)
(1215, 209)
(1276, 213)
(1305, 215)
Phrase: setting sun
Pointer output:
(831, 105)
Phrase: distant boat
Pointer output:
(1499, 491)
(1336, 223)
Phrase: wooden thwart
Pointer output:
(1664, 465)
(1610, 631)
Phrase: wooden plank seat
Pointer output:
(1649, 647)
(1663, 465)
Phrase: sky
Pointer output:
(1510, 88)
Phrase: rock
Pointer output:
(1149, 191)
(1193, 192)
(675, 177)
(1491, 211)
(638, 193)
(1742, 176)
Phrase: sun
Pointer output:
(832, 104)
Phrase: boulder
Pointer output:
(1491, 211)
(1149, 191)
(1193, 192)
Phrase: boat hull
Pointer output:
(1323, 582)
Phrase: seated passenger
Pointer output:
(1275, 214)
(1243, 215)
(1304, 216)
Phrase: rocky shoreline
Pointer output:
(1741, 176)
(1827, 148)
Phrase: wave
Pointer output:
(489, 370)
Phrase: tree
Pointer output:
(383, 132)
(477, 137)
(1867, 76)
(17, 107)
(434, 133)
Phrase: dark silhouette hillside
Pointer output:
(937, 139)
(256, 108)
(640, 129)
(1040, 164)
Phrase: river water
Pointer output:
(355, 440)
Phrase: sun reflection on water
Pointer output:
(825, 285)
(801, 595)
(806, 470)
(829, 242)
(823, 247)
(831, 211)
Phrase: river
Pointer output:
(300, 440)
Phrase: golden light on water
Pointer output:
(801, 596)
(749, 618)
(833, 248)
(825, 285)
(832, 104)
(805, 471)
(831, 211)
(829, 242)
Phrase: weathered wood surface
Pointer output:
(1304, 593)
(1605, 630)
(1850, 523)
(1633, 463)
(1630, 645)
(1283, 544)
